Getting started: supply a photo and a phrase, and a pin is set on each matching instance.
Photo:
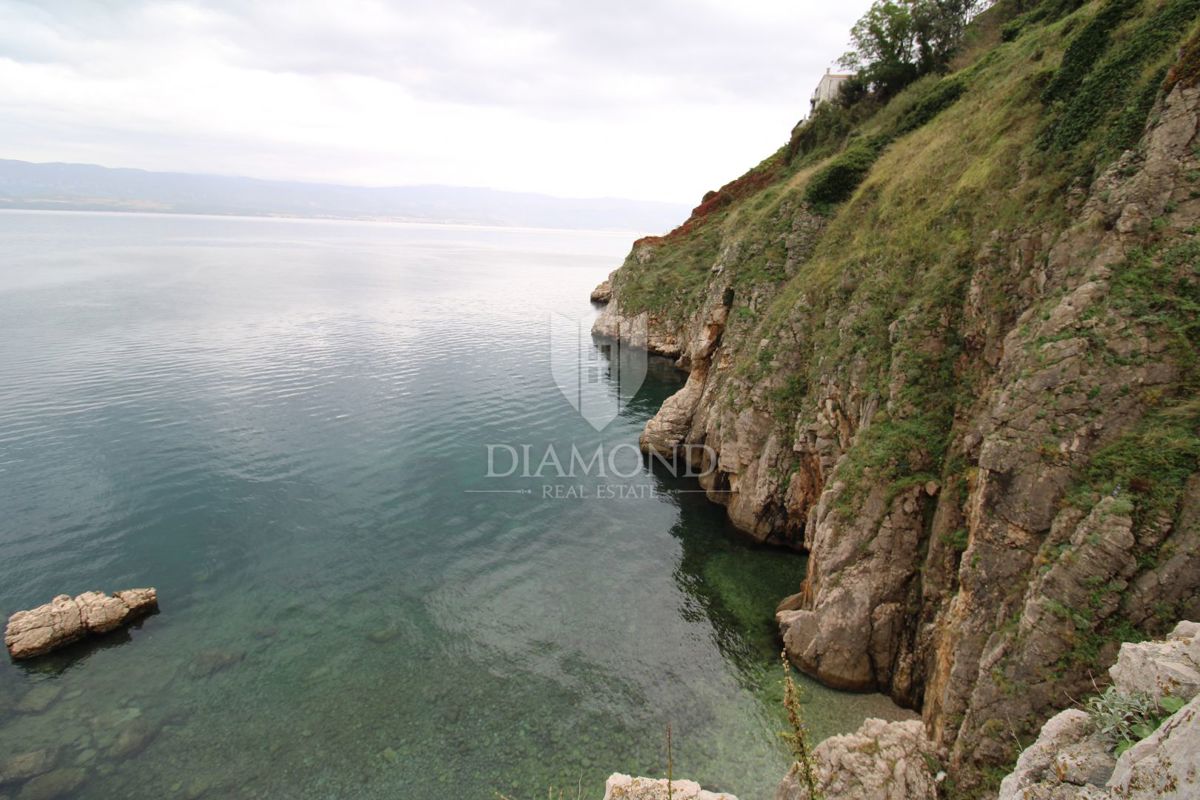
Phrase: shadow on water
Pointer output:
(729, 579)
(660, 377)
(735, 582)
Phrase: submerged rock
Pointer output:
(39, 698)
(209, 662)
(24, 766)
(53, 785)
(624, 787)
(384, 635)
(132, 739)
(64, 620)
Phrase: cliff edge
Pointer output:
(949, 347)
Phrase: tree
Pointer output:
(898, 41)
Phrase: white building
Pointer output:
(828, 88)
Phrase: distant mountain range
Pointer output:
(86, 187)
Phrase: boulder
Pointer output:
(881, 761)
(1036, 765)
(64, 620)
(1169, 667)
(624, 787)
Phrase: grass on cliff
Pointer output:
(1158, 289)
(912, 193)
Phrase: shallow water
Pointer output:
(282, 425)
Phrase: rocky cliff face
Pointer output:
(1078, 755)
(968, 392)
(1075, 759)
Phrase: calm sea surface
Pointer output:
(283, 426)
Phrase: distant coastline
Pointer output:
(28, 186)
(630, 233)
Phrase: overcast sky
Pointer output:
(649, 99)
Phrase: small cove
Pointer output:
(274, 422)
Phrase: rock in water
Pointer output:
(27, 765)
(210, 662)
(53, 785)
(624, 787)
(38, 699)
(64, 620)
(132, 739)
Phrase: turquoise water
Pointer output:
(276, 423)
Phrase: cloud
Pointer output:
(656, 99)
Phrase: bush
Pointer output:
(828, 127)
(838, 180)
(1125, 719)
(938, 99)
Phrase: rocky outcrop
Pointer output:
(1170, 667)
(656, 334)
(624, 787)
(65, 619)
(881, 761)
(1074, 760)
(1163, 765)
(980, 537)
(602, 294)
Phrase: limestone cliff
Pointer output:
(1079, 755)
(949, 347)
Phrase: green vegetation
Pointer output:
(1126, 719)
(797, 738)
(898, 41)
(1160, 290)
(1086, 48)
(905, 193)
(1097, 79)
(838, 179)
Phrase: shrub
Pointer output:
(1125, 719)
(838, 179)
(828, 127)
(938, 99)
(797, 738)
